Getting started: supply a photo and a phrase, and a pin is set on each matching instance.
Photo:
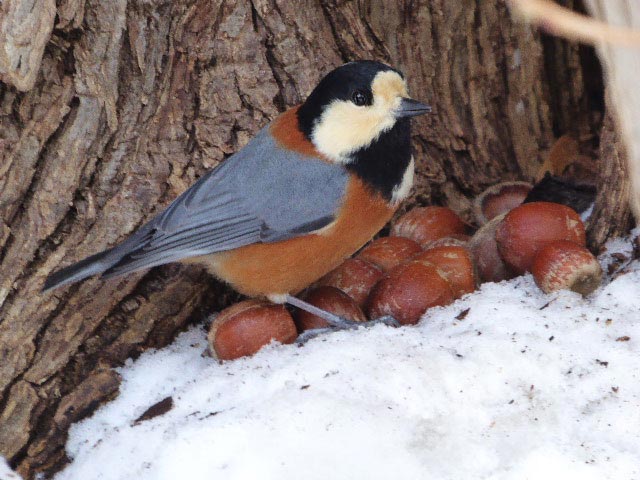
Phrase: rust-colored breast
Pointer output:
(291, 265)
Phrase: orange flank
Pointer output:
(291, 265)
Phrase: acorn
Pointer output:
(332, 300)
(498, 199)
(408, 291)
(531, 226)
(246, 327)
(355, 277)
(564, 265)
(459, 240)
(387, 252)
(425, 224)
(455, 264)
(487, 259)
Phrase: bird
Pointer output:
(308, 191)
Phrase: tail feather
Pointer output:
(88, 267)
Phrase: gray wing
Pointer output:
(263, 193)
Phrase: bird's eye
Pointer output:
(359, 98)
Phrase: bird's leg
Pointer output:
(335, 322)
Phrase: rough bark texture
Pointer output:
(132, 100)
(25, 28)
(611, 215)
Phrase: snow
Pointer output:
(522, 386)
(5, 471)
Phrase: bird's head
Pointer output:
(354, 105)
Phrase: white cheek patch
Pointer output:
(402, 190)
(345, 128)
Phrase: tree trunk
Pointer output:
(622, 68)
(614, 188)
(110, 113)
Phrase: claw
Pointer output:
(387, 320)
(335, 322)
(304, 337)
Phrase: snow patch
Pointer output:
(506, 383)
(5, 471)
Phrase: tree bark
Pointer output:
(622, 67)
(132, 101)
(611, 215)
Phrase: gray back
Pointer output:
(263, 193)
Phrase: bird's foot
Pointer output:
(335, 322)
(345, 324)
(387, 320)
(307, 335)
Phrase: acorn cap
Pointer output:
(499, 199)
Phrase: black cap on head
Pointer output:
(353, 78)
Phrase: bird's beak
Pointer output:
(411, 108)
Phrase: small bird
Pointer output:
(310, 189)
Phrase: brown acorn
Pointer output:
(355, 277)
(531, 226)
(498, 199)
(564, 265)
(425, 224)
(332, 300)
(247, 326)
(408, 291)
(487, 259)
(454, 262)
(459, 240)
(387, 252)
